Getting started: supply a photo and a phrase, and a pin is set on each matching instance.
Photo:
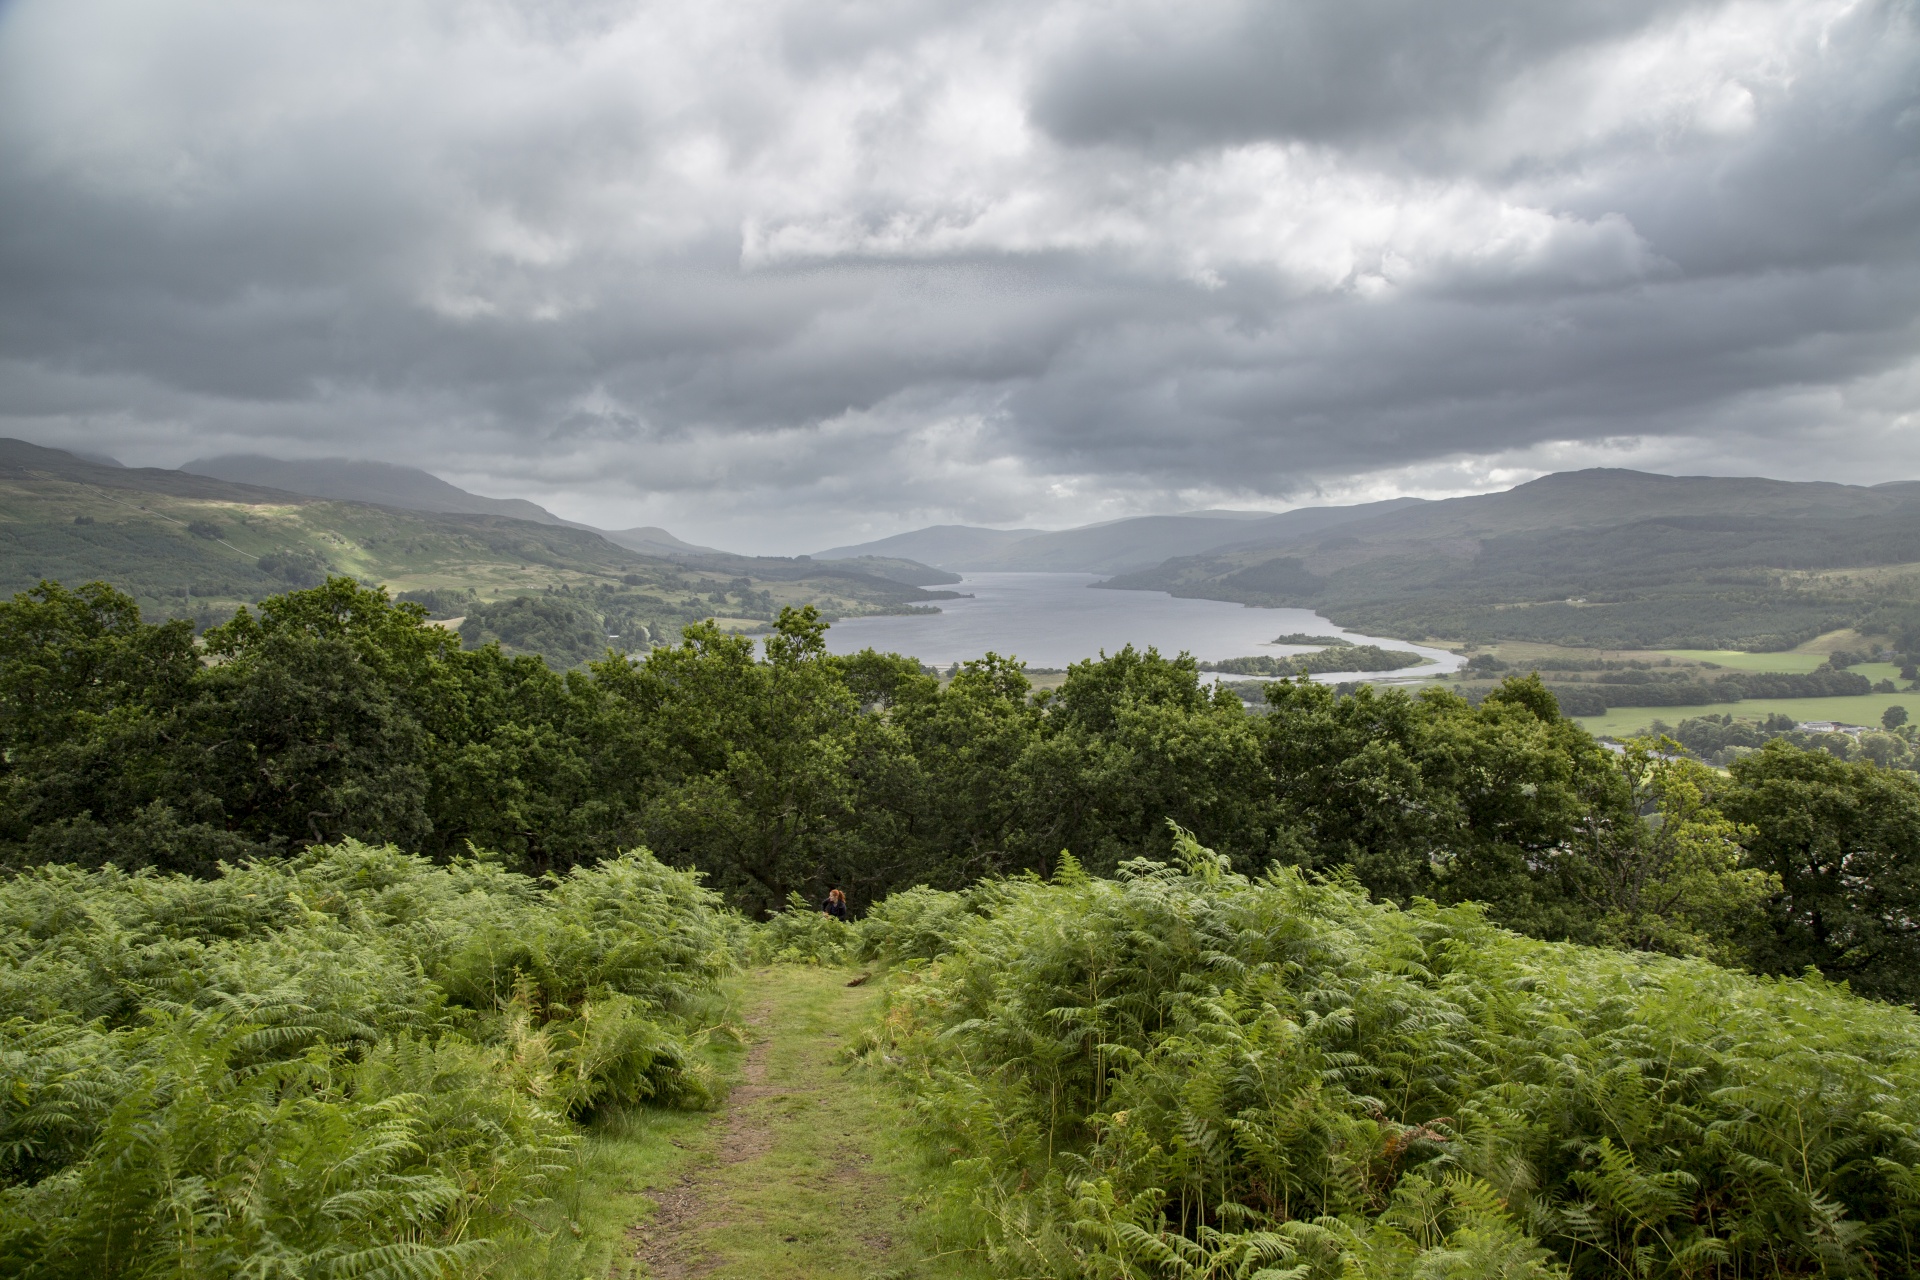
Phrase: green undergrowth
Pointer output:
(809, 1173)
(913, 924)
(584, 1227)
(351, 1063)
(822, 1180)
(1186, 1073)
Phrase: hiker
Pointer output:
(835, 905)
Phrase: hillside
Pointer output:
(411, 489)
(911, 572)
(187, 545)
(357, 480)
(949, 546)
(654, 541)
(1602, 557)
(1113, 546)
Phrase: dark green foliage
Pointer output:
(1482, 797)
(336, 713)
(1676, 689)
(330, 713)
(443, 602)
(1844, 840)
(297, 568)
(351, 1063)
(1343, 657)
(1832, 683)
(1188, 1073)
(556, 628)
(1133, 740)
(750, 761)
(957, 793)
(1574, 700)
(1301, 637)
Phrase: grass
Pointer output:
(1864, 709)
(584, 1228)
(1807, 657)
(1739, 660)
(805, 1174)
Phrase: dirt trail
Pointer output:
(803, 1174)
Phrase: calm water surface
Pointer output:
(1054, 619)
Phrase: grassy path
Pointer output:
(804, 1173)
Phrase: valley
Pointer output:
(190, 546)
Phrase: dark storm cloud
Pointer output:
(806, 268)
(1358, 70)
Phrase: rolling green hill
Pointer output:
(411, 489)
(194, 546)
(1598, 558)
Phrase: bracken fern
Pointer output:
(1186, 1073)
(351, 1063)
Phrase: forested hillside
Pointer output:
(192, 546)
(1611, 559)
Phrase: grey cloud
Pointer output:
(827, 266)
(1335, 71)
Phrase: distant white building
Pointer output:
(1830, 726)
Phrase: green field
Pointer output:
(1864, 709)
(1738, 660)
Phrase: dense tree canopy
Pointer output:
(334, 713)
(1844, 840)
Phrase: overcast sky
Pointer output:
(779, 274)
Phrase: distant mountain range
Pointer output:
(188, 544)
(1606, 558)
(1114, 546)
(409, 488)
(1603, 557)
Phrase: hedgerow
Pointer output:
(1184, 1072)
(350, 1063)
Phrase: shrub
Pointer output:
(352, 1062)
(914, 924)
(1185, 1073)
(803, 934)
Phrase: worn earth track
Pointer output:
(803, 1173)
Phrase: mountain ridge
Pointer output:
(1110, 546)
(1604, 557)
(195, 546)
(389, 484)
